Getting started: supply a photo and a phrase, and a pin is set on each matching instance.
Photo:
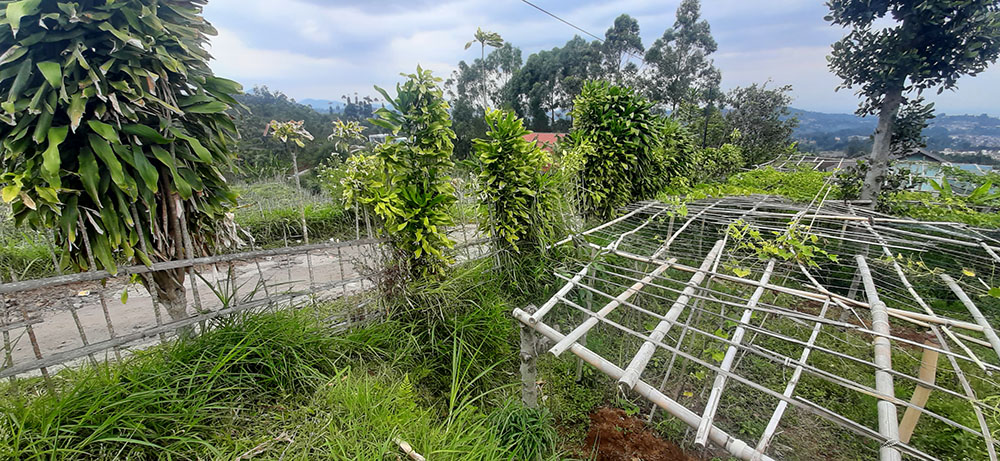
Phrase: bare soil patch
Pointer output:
(615, 436)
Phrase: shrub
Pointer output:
(614, 130)
(718, 162)
(414, 193)
(515, 197)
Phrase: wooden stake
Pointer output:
(928, 371)
(529, 370)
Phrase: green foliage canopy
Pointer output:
(114, 127)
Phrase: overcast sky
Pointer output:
(327, 48)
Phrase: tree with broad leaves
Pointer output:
(678, 61)
(115, 133)
(761, 117)
(929, 44)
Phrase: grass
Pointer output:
(439, 374)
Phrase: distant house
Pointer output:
(546, 141)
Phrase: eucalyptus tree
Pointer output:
(679, 60)
(898, 48)
(621, 41)
(115, 134)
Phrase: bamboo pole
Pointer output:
(779, 411)
(528, 367)
(584, 327)
(734, 446)
(604, 226)
(822, 295)
(888, 425)
(403, 445)
(928, 371)
(601, 250)
(641, 359)
(708, 415)
(988, 331)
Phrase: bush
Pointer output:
(516, 200)
(718, 162)
(414, 193)
(615, 132)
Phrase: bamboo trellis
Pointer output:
(909, 292)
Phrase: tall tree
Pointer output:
(928, 44)
(484, 38)
(621, 42)
(678, 61)
(761, 117)
(116, 135)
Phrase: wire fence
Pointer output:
(66, 319)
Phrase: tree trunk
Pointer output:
(879, 161)
(169, 286)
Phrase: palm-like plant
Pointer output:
(484, 38)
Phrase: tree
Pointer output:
(465, 91)
(621, 41)
(761, 117)
(516, 200)
(908, 132)
(678, 61)
(414, 194)
(116, 135)
(485, 38)
(928, 44)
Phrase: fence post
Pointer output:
(529, 369)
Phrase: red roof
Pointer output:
(545, 140)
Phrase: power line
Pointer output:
(543, 10)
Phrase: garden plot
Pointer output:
(749, 319)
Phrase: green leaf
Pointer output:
(77, 105)
(106, 131)
(145, 132)
(51, 160)
(18, 10)
(994, 292)
(107, 155)
(183, 188)
(213, 107)
(52, 72)
(10, 192)
(146, 169)
(90, 174)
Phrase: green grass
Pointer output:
(439, 374)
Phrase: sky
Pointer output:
(324, 49)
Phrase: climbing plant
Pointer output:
(115, 134)
(414, 193)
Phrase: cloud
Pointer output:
(326, 48)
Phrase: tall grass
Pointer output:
(169, 400)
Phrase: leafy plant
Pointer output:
(793, 244)
(115, 134)
(615, 131)
(414, 192)
(895, 181)
(515, 197)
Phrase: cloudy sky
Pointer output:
(327, 48)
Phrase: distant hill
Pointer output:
(323, 105)
(824, 131)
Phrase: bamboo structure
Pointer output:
(651, 276)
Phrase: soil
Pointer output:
(615, 436)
